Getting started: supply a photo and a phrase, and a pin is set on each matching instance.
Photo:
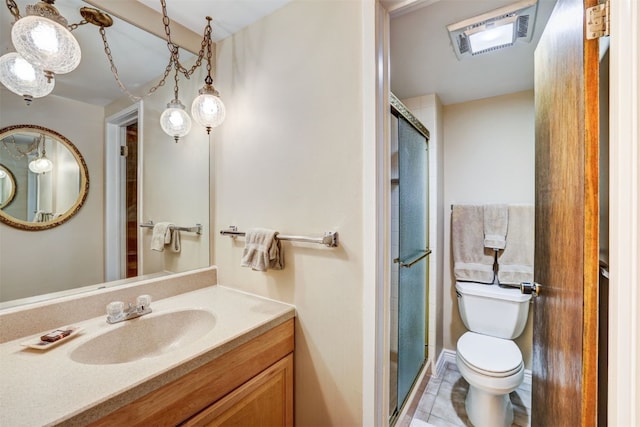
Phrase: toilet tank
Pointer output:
(493, 310)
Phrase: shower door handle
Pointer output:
(411, 262)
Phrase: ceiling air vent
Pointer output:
(494, 30)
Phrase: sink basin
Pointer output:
(147, 336)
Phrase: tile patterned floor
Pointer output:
(442, 403)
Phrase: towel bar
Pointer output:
(195, 229)
(329, 239)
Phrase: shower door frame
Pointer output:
(401, 112)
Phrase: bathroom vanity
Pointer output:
(205, 355)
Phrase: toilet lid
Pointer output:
(492, 356)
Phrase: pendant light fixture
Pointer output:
(41, 164)
(43, 39)
(174, 120)
(207, 109)
(22, 78)
(44, 47)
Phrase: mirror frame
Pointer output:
(13, 187)
(84, 180)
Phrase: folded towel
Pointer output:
(161, 236)
(515, 263)
(496, 218)
(262, 250)
(42, 216)
(38, 217)
(472, 262)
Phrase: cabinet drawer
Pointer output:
(264, 401)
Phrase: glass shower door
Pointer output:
(413, 252)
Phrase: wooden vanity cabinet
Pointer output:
(265, 400)
(251, 385)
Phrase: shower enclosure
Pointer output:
(409, 252)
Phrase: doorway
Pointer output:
(131, 198)
(123, 192)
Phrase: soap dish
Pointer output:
(38, 344)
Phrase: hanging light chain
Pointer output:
(208, 80)
(72, 27)
(174, 49)
(44, 144)
(174, 59)
(21, 154)
(175, 89)
(114, 71)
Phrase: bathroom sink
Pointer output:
(147, 336)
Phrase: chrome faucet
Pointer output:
(116, 311)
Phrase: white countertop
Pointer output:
(40, 388)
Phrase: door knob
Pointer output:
(530, 288)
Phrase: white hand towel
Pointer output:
(515, 263)
(175, 245)
(471, 261)
(38, 217)
(161, 236)
(496, 218)
(262, 250)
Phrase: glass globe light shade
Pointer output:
(41, 165)
(175, 121)
(46, 44)
(207, 109)
(22, 78)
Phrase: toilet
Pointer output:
(486, 355)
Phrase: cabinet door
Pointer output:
(264, 401)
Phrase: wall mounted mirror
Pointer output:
(73, 258)
(50, 180)
(7, 186)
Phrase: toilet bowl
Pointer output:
(493, 367)
(486, 356)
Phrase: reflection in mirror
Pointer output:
(50, 175)
(172, 180)
(7, 186)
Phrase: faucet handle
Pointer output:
(115, 309)
(143, 302)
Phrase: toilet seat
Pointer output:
(490, 356)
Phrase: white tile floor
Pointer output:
(442, 403)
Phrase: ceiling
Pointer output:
(422, 59)
(229, 16)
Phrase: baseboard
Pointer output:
(449, 356)
(446, 356)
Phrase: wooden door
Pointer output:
(565, 337)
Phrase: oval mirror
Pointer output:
(50, 177)
(7, 186)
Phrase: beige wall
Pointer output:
(71, 254)
(290, 157)
(489, 158)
